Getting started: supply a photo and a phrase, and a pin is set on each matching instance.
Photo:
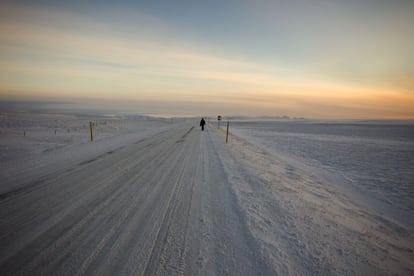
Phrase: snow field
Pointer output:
(305, 224)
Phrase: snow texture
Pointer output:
(160, 197)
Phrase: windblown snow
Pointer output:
(161, 197)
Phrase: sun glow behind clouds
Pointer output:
(52, 53)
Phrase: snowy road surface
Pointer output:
(161, 205)
(179, 201)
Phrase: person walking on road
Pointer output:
(202, 123)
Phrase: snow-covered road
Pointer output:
(160, 205)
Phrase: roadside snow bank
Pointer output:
(305, 225)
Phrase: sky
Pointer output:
(328, 59)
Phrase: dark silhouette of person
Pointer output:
(202, 123)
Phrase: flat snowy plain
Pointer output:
(160, 197)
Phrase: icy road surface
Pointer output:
(161, 205)
(177, 201)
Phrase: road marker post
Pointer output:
(227, 133)
(91, 130)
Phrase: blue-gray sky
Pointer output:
(327, 59)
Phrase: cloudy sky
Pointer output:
(303, 58)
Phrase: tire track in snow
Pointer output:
(146, 216)
(156, 261)
(174, 251)
(98, 204)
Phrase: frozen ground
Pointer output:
(160, 197)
